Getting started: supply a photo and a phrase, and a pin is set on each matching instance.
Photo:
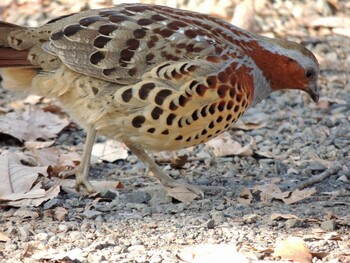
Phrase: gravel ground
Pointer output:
(140, 223)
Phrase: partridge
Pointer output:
(154, 77)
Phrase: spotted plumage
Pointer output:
(154, 77)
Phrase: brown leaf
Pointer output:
(22, 185)
(60, 213)
(269, 192)
(293, 248)
(224, 145)
(110, 151)
(38, 144)
(98, 185)
(180, 161)
(299, 195)
(247, 126)
(278, 216)
(4, 237)
(272, 191)
(16, 178)
(208, 253)
(31, 124)
(181, 193)
(245, 196)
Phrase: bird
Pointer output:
(153, 77)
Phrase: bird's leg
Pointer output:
(83, 170)
(165, 179)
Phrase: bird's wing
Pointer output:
(121, 44)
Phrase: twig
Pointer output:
(334, 169)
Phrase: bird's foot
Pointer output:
(81, 182)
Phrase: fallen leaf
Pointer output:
(269, 192)
(17, 179)
(26, 213)
(208, 253)
(332, 21)
(278, 216)
(4, 237)
(247, 126)
(60, 213)
(110, 151)
(319, 255)
(224, 145)
(299, 195)
(98, 185)
(38, 144)
(23, 185)
(293, 248)
(181, 193)
(245, 196)
(32, 124)
(180, 161)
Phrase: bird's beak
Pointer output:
(312, 90)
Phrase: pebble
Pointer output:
(91, 214)
(329, 225)
(292, 223)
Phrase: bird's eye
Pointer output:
(309, 73)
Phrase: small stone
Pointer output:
(136, 248)
(9, 246)
(218, 217)
(329, 225)
(250, 219)
(62, 228)
(41, 236)
(91, 214)
(292, 223)
(24, 232)
(211, 224)
(138, 197)
(109, 194)
(52, 203)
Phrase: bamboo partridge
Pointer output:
(153, 77)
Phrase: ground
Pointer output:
(289, 140)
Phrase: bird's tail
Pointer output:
(15, 69)
(10, 57)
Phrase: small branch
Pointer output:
(334, 169)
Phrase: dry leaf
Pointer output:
(60, 213)
(299, 195)
(277, 216)
(181, 193)
(110, 151)
(224, 145)
(22, 185)
(180, 161)
(4, 237)
(332, 21)
(293, 248)
(38, 144)
(16, 178)
(272, 191)
(98, 185)
(36, 196)
(32, 124)
(247, 126)
(209, 253)
(26, 213)
(245, 196)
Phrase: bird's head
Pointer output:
(287, 65)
